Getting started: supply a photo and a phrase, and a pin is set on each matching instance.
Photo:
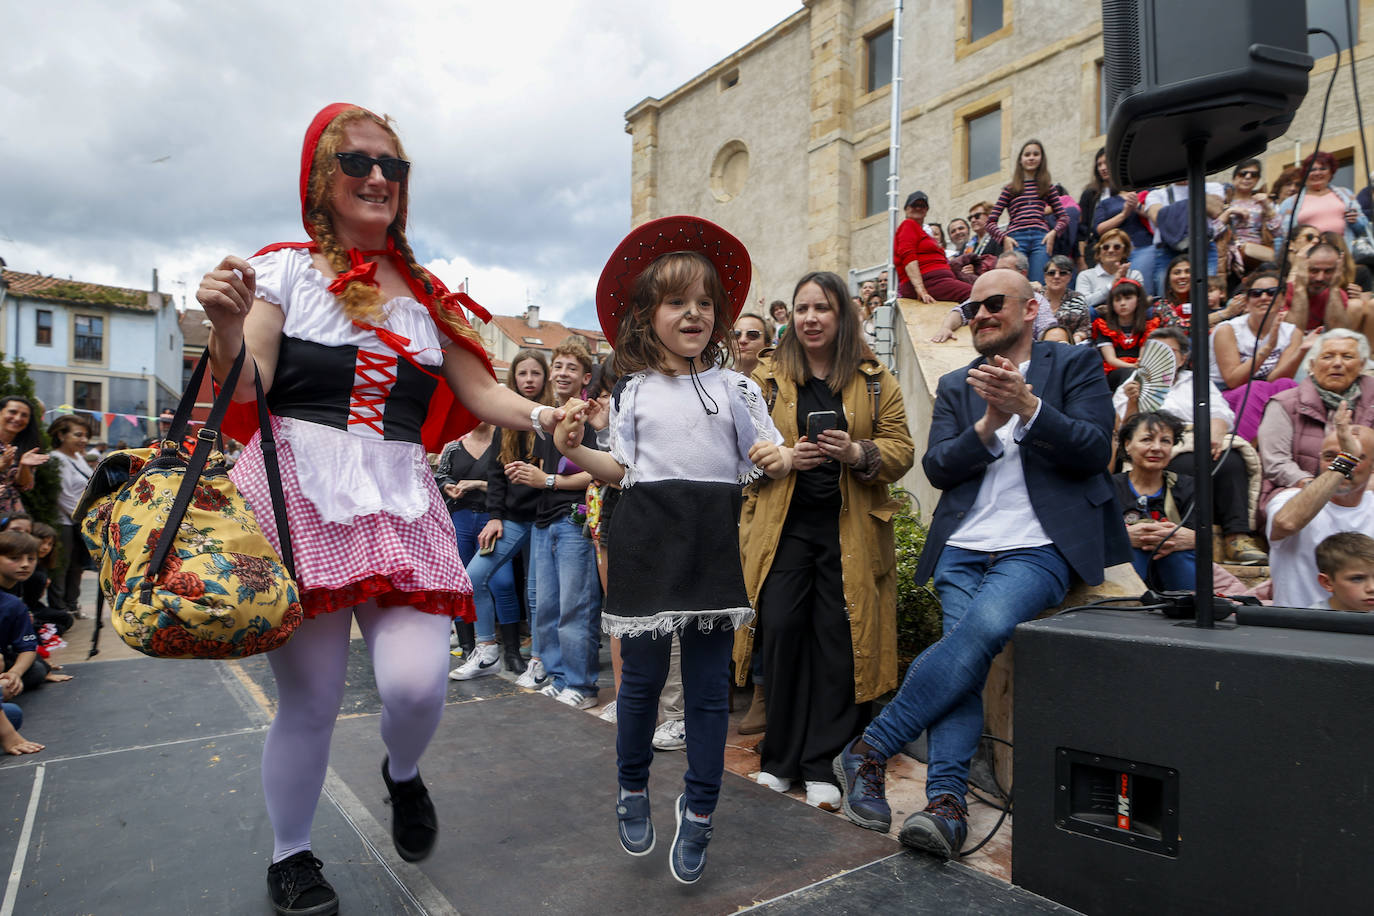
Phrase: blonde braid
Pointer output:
(359, 300)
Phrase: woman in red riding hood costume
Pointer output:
(361, 352)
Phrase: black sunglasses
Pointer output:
(749, 334)
(993, 304)
(1056, 272)
(358, 165)
(1248, 173)
(1268, 291)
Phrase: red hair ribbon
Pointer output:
(361, 271)
(454, 300)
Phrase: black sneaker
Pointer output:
(414, 825)
(940, 829)
(298, 888)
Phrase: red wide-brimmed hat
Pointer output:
(662, 236)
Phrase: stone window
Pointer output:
(878, 48)
(984, 144)
(980, 23)
(875, 184)
(730, 171)
(88, 340)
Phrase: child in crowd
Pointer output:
(23, 669)
(1122, 330)
(684, 434)
(1345, 568)
(33, 589)
(11, 742)
(17, 521)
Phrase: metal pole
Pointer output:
(885, 323)
(1202, 415)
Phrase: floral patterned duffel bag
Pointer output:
(179, 555)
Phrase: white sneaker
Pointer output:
(453, 639)
(484, 662)
(823, 795)
(549, 690)
(671, 735)
(575, 699)
(773, 782)
(608, 712)
(534, 676)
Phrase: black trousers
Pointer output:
(1230, 491)
(807, 650)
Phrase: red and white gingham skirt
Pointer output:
(376, 556)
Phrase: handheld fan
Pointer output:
(1155, 372)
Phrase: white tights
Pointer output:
(409, 650)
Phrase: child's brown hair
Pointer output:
(17, 544)
(1343, 550)
(46, 533)
(637, 347)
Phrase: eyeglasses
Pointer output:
(1267, 292)
(357, 165)
(1056, 272)
(750, 334)
(977, 215)
(1248, 173)
(1113, 246)
(993, 304)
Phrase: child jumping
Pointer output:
(685, 434)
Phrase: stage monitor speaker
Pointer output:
(1163, 768)
(1233, 70)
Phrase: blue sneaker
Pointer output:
(688, 858)
(634, 825)
(940, 829)
(863, 778)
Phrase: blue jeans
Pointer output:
(1175, 571)
(14, 714)
(706, 692)
(1163, 256)
(984, 597)
(493, 575)
(1031, 243)
(1143, 260)
(567, 602)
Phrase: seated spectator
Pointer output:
(1255, 355)
(1287, 184)
(32, 591)
(1084, 255)
(1296, 421)
(23, 670)
(1061, 302)
(778, 312)
(1250, 222)
(1124, 210)
(17, 521)
(1315, 297)
(937, 232)
(1354, 278)
(1345, 568)
(1008, 260)
(1066, 243)
(1121, 332)
(920, 260)
(1154, 502)
(1321, 204)
(1113, 256)
(1230, 481)
(1167, 209)
(958, 237)
(1336, 500)
(751, 337)
(980, 250)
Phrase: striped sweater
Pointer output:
(1025, 211)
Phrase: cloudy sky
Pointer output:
(163, 134)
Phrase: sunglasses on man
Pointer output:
(748, 334)
(993, 304)
(357, 165)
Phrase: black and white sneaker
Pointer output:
(483, 662)
(298, 888)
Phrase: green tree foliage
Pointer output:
(918, 607)
(41, 501)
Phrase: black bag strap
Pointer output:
(205, 440)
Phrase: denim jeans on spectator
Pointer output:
(567, 616)
(1173, 571)
(493, 575)
(706, 690)
(984, 597)
(1031, 243)
(1143, 260)
(1164, 255)
(14, 714)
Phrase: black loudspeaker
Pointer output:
(1162, 768)
(1234, 70)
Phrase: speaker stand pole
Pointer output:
(1198, 243)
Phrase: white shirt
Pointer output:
(1293, 560)
(74, 473)
(1179, 400)
(1096, 284)
(1160, 196)
(1002, 517)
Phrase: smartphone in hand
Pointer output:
(818, 421)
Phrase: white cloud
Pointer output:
(160, 134)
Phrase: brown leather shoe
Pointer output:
(1242, 550)
(756, 718)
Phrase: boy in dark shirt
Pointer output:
(23, 670)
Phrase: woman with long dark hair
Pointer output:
(19, 451)
(817, 543)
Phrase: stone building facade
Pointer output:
(784, 141)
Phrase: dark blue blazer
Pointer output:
(1064, 454)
